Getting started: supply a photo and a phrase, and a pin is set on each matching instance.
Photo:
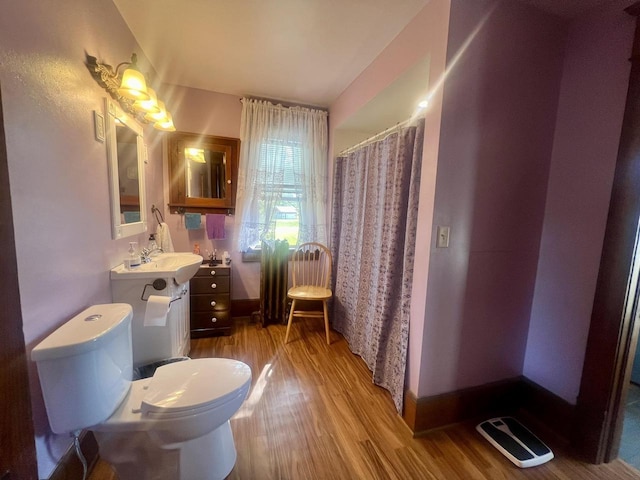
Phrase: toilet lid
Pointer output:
(193, 384)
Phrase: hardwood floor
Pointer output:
(313, 413)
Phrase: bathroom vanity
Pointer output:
(165, 275)
(154, 343)
(211, 301)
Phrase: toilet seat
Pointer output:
(196, 385)
(180, 390)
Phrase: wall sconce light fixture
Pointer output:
(130, 90)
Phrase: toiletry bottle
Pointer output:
(134, 256)
(152, 243)
(196, 248)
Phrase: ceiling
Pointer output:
(305, 51)
(301, 51)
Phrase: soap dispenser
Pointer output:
(134, 257)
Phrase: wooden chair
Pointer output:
(311, 277)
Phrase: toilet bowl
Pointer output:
(174, 425)
(179, 420)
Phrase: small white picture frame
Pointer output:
(98, 122)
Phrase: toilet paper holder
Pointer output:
(160, 284)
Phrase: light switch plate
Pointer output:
(443, 237)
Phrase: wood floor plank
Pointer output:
(313, 413)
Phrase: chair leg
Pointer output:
(326, 321)
(286, 337)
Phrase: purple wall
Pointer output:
(495, 145)
(201, 111)
(594, 86)
(58, 171)
(526, 199)
(486, 179)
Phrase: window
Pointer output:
(279, 162)
(282, 175)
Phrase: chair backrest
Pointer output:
(311, 265)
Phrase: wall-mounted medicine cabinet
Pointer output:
(203, 171)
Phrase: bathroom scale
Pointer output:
(515, 441)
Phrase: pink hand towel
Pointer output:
(215, 226)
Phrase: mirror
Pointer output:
(206, 172)
(202, 170)
(126, 154)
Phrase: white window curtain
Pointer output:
(283, 161)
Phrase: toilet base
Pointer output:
(211, 457)
(138, 455)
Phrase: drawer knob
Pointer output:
(213, 272)
(213, 303)
(214, 320)
(213, 285)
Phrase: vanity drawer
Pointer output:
(213, 272)
(210, 285)
(207, 303)
(210, 291)
(210, 320)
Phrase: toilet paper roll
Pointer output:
(155, 315)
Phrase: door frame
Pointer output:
(613, 333)
(18, 457)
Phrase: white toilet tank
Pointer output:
(85, 367)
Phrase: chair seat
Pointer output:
(311, 278)
(309, 292)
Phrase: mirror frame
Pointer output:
(119, 229)
(178, 200)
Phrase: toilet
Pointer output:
(174, 425)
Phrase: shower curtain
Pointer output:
(375, 207)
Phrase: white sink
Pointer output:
(179, 265)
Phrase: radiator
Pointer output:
(274, 279)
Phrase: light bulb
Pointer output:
(160, 116)
(165, 125)
(133, 85)
(148, 106)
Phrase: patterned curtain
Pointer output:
(375, 206)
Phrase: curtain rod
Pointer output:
(376, 136)
(286, 104)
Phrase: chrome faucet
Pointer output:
(147, 253)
